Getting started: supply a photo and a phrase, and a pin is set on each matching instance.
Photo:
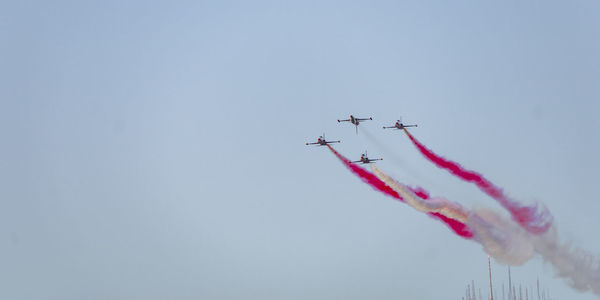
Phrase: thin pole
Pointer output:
(469, 291)
(520, 293)
(510, 292)
(490, 273)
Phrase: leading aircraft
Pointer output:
(321, 141)
(355, 121)
(399, 125)
(364, 159)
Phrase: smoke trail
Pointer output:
(534, 221)
(438, 205)
(366, 176)
(458, 227)
(500, 238)
(509, 243)
(578, 267)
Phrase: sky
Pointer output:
(156, 150)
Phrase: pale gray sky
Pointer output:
(156, 150)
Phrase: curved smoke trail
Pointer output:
(534, 220)
(489, 231)
(509, 243)
(437, 205)
(578, 267)
(458, 227)
(366, 176)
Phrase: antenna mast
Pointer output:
(490, 272)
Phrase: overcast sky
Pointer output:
(155, 150)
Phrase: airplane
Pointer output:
(321, 141)
(364, 159)
(399, 125)
(355, 121)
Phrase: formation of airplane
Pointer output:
(364, 159)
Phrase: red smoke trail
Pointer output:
(367, 176)
(526, 216)
(459, 228)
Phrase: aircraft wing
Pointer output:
(344, 120)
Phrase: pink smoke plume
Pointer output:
(458, 227)
(527, 216)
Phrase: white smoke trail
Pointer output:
(578, 267)
(437, 205)
(507, 242)
(498, 236)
